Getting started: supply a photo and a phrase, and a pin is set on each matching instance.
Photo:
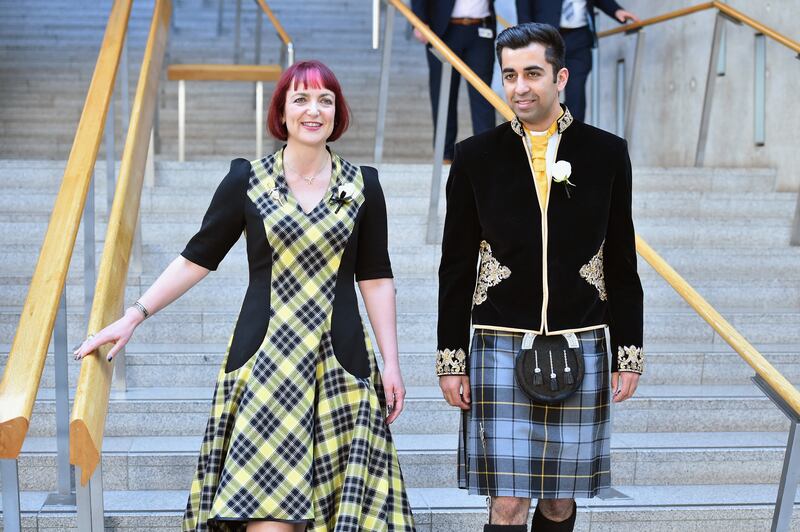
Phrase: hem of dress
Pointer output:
(536, 494)
(248, 519)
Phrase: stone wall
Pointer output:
(672, 83)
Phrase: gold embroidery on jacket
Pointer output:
(490, 274)
(451, 362)
(630, 358)
(592, 272)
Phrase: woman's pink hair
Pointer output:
(314, 75)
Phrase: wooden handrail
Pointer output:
(723, 8)
(454, 60)
(26, 360)
(750, 354)
(223, 72)
(759, 27)
(92, 393)
(275, 22)
(656, 20)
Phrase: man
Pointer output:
(544, 203)
(575, 20)
(468, 28)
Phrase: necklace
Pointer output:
(309, 178)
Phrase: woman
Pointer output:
(297, 438)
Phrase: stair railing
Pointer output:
(768, 379)
(90, 404)
(45, 309)
(257, 72)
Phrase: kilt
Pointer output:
(510, 446)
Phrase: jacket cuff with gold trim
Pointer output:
(630, 358)
(451, 362)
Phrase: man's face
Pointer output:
(530, 87)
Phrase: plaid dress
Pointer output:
(513, 447)
(292, 435)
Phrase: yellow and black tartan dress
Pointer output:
(297, 431)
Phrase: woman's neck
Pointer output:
(303, 158)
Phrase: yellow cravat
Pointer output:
(538, 156)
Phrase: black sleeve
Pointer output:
(625, 296)
(609, 7)
(372, 260)
(420, 9)
(524, 11)
(458, 267)
(224, 220)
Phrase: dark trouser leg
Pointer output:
(479, 56)
(435, 79)
(579, 64)
(540, 523)
(505, 528)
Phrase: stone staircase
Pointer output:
(41, 106)
(699, 446)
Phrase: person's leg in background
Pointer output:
(435, 78)
(579, 63)
(479, 56)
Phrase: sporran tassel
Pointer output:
(568, 378)
(553, 379)
(537, 372)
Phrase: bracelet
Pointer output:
(141, 308)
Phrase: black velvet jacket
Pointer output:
(568, 269)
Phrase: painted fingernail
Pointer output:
(108, 358)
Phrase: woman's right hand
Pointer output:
(118, 332)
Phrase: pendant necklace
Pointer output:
(310, 178)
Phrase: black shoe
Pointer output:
(505, 528)
(540, 523)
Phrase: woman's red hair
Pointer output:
(314, 75)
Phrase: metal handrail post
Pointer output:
(12, 515)
(89, 268)
(633, 88)
(259, 119)
(289, 54)
(66, 479)
(181, 120)
(438, 152)
(620, 98)
(595, 87)
(90, 502)
(722, 55)
(259, 24)
(236, 33)
(760, 90)
(708, 97)
(376, 23)
(110, 157)
(790, 474)
(795, 237)
(219, 17)
(383, 90)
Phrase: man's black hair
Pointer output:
(522, 35)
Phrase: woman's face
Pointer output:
(309, 114)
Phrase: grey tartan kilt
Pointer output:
(510, 446)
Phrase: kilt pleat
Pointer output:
(510, 446)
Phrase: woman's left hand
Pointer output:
(394, 390)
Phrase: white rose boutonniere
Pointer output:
(561, 172)
(342, 195)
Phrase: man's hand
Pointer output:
(420, 37)
(623, 385)
(455, 389)
(625, 16)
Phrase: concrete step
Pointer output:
(740, 508)
(418, 330)
(163, 365)
(656, 408)
(429, 460)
